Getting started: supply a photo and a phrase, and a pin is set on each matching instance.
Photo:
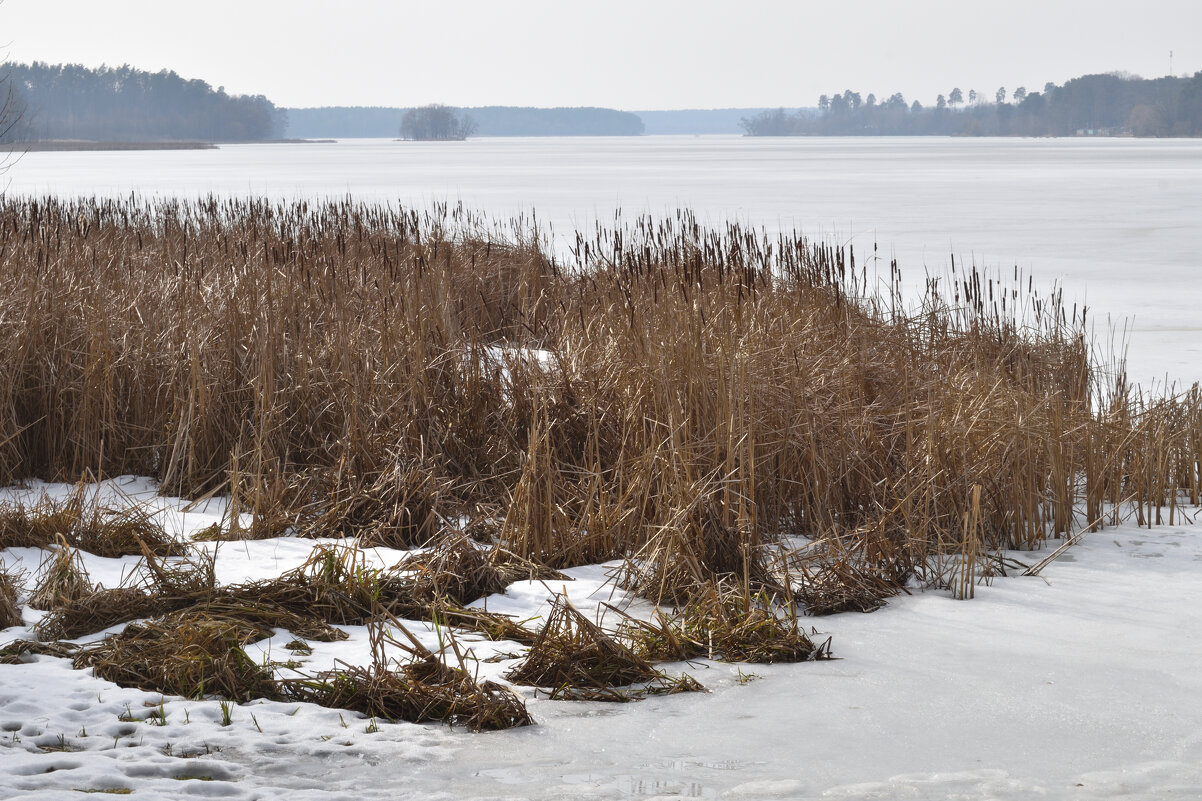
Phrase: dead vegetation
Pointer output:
(423, 689)
(680, 398)
(677, 395)
(82, 521)
(190, 654)
(162, 586)
(575, 659)
(19, 652)
(10, 606)
(62, 579)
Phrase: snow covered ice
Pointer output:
(1081, 684)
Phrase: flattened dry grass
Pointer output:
(575, 659)
(165, 586)
(98, 610)
(726, 621)
(10, 607)
(189, 654)
(19, 652)
(122, 529)
(425, 689)
(62, 579)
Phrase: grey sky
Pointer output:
(619, 53)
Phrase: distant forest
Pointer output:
(697, 121)
(123, 104)
(376, 122)
(1092, 105)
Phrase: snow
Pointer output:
(1081, 684)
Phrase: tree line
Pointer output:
(123, 104)
(338, 122)
(1111, 104)
(436, 123)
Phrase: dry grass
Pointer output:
(120, 529)
(164, 586)
(62, 579)
(19, 652)
(367, 372)
(10, 605)
(577, 660)
(728, 622)
(96, 611)
(849, 572)
(189, 654)
(424, 689)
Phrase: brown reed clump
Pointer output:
(396, 508)
(424, 689)
(62, 578)
(21, 652)
(188, 654)
(98, 610)
(492, 625)
(572, 654)
(80, 520)
(728, 622)
(164, 586)
(413, 693)
(455, 569)
(10, 605)
(736, 625)
(849, 572)
(37, 526)
(680, 393)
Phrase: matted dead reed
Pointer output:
(189, 653)
(20, 652)
(162, 585)
(10, 606)
(122, 528)
(575, 659)
(674, 394)
(726, 621)
(423, 689)
(98, 610)
(62, 579)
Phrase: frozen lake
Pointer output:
(1116, 222)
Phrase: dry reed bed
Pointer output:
(364, 371)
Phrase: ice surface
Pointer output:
(1082, 684)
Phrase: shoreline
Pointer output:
(79, 145)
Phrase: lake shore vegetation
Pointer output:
(1113, 104)
(755, 428)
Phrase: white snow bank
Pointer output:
(1083, 685)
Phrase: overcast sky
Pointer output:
(643, 54)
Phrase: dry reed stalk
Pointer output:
(577, 660)
(20, 652)
(62, 578)
(368, 371)
(98, 610)
(188, 654)
(726, 621)
(10, 605)
(425, 689)
(853, 572)
(81, 521)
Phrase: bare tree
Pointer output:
(11, 111)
